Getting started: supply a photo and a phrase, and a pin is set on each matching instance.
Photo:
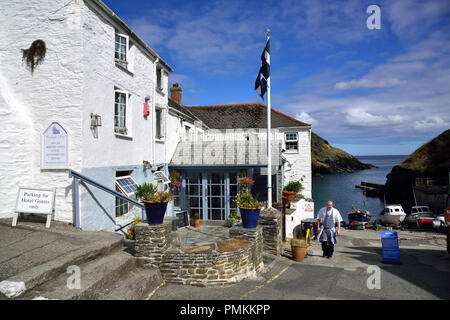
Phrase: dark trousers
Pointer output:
(327, 248)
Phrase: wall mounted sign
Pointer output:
(390, 248)
(36, 201)
(55, 148)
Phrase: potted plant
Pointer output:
(233, 219)
(291, 189)
(155, 202)
(248, 206)
(277, 205)
(298, 247)
(196, 218)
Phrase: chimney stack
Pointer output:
(175, 93)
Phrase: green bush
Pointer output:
(149, 193)
(293, 186)
(233, 216)
(196, 216)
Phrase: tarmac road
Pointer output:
(423, 274)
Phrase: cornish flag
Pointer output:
(264, 71)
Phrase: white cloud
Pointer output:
(305, 117)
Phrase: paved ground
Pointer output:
(423, 274)
(189, 237)
(30, 244)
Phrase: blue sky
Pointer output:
(369, 92)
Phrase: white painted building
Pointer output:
(96, 69)
(94, 64)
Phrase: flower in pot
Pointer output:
(298, 247)
(277, 205)
(290, 190)
(196, 218)
(248, 206)
(155, 202)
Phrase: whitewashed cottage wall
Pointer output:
(30, 102)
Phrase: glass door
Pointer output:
(194, 193)
(216, 197)
(211, 194)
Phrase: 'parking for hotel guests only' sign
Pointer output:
(54, 149)
(38, 201)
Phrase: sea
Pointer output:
(340, 188)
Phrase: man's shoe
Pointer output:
(329, 257)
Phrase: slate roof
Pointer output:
(250, 115)
(173, 104)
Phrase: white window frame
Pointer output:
(286, 141)
(128, 194)
(119, 62)
(124, 131)
(162, 126)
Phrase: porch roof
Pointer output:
(225, 153)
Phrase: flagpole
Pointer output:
(269, 151)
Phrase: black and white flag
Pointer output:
(264, 71)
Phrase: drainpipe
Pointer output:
(154, 113)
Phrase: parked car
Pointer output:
(421, 217)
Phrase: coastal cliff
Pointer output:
(431, 160)
(328, 159)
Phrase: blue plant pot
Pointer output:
(249, 218)
(155, 212)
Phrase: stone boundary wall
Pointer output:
(152, 241)
(220, 263)
(270, 220)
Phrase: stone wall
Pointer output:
(255, 236)
(270, 220)
(219, 263)
(152, 241)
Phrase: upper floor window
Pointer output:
(121, 50)
(159, 85)
(291, 141)
(159, 123)
(120, 112)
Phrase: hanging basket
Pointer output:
(288, 196)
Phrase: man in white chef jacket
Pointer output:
(327, 218)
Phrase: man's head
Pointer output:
(329, 204)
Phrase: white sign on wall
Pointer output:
(54, 149)
(39, 201)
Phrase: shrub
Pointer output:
(299, 243)
(233, 216)
(149, 193)
(293, 186)
(247, 201)
(196, 216)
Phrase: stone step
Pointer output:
(95, 276)
(138, 284)
(49, 270)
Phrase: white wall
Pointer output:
(30, 102)
(299, 163)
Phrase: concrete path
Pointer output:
(423, 274)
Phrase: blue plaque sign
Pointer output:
(390, 248)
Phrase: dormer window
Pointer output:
(121, 50)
